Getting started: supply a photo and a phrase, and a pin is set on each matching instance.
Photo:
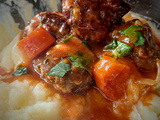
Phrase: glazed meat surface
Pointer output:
(143, 56)
(54, 22)
(77, 80)
(92, 19)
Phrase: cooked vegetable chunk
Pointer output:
(53, 22)
(111, 77)
(76, 75)
(35, 43)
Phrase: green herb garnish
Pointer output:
(81, 60)
(20, 71)
(141, 40)
(84, 43)
(118, 49)
(94, 83)
(59, 69)
(67, 38)
(111, 45)
(134, 35)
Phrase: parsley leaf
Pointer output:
(81, 60)
(20, 71)
(136, 37)
(84, 43)
(94, 83)
(118, 49)
(67, 38)
(59, 69)
(111, 45)
(141, 40)
(123, 49)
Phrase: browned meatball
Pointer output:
(54, 22)
(77, 80)
(92, 19)
(143, 56)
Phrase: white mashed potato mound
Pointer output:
(22, 101)
(10, 56)
(149, 112)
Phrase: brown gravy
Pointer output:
(93, 105)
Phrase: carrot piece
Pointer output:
(69, 47)
(35, 43)
(111, 77)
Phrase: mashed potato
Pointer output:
(146, 109)
(149, 112)
(20, 101)
(23, 100)
(10, 56)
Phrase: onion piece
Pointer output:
(151, 81)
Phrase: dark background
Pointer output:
(150, 8)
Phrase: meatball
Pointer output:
(54, 22)
(92, 19)
(143, 56)
(77, 80)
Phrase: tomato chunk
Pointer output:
(35, 43)
(111, 77)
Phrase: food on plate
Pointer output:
(53, 22)
(92, 20)
(66, 66)
(86, 63)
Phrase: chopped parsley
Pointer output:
(111, 45)
(132, 33)
(78, 60)
(84, 43)
(59, 69)
(67, 38)
(20, 71)
(81, 60)
(118, 49)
